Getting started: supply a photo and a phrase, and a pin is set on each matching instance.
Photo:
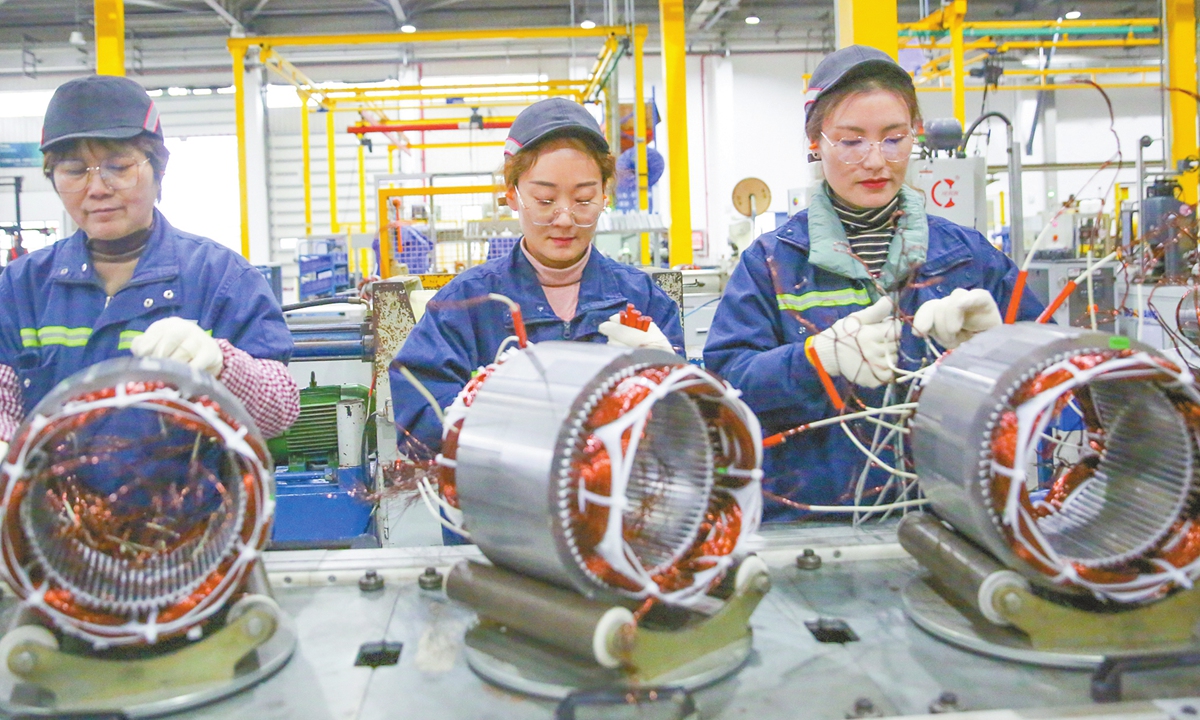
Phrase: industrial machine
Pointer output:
(137, 498)
(615, 492)
(323, 474)
(1060, 468)
(1047, 278)
(323, 478)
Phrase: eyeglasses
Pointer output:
(72, 176)
(853, 151)
(545, 212)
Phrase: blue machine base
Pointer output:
(310, 508)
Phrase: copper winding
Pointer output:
(1180, 550)
(117, 524)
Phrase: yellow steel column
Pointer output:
(330, 137)
(954, 22)
(110, 37)
(362, 188)
(391, 159)
(1180, 33)
(674, 52)
(639, 134)
(868, 22)
(239, 114)
(306, 160)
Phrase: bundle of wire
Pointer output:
(136, 499)
(1121, 516)
(659, 478)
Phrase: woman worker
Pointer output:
(557, 168)
(826, 292)
(127, 281)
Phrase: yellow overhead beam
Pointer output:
(868, 22)
(1063, 25)
(935, 21)
(455, 90)
(639, 136)
(239, 115)
(306, 162)
(472, 100)
(331, 157)
(110, 37)
(428, 36)
(674, 55)
(306, 87)
(1006, 45)
(1043, 86)
(454, 145)
(1181, 80)
(955, 13)
(608, 56)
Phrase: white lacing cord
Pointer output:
(1033, 417)
(613, 547)
(162, 400)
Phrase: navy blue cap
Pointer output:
(834, 68)
(553, 116)
(99, 106)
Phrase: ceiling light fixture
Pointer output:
(77, 39)
(408, 28)
(587, 24)
(1073, 15)
(752, 20)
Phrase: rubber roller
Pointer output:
(596, 631)
(969, 573)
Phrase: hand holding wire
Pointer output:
(956, 318)
(630, 328)
(861, 347)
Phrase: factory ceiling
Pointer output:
(170, 37)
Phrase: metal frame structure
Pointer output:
(617, 40)
(946, 29)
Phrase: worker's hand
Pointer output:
(956, 318)
(863, 346)
(3, 450)
(174, 338)
(626, 336)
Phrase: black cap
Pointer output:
(554, 116)
(99, 106)
(834, 68)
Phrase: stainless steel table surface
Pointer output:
(790, 675)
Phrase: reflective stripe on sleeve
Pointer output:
(826, 298)
(55, 335)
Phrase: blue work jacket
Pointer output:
(799, 280)
(58, 319)
(456, 336)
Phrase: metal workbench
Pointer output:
(790, 675)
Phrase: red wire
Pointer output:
(1058, 301)
(519, 327)
(1014, 302)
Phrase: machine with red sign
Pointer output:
(954, 187)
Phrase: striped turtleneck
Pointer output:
(868, 230)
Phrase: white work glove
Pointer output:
(626, 336)
(863, 346)
(958, 317)
(174, 338)
(3, 450)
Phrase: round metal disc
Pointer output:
(747, 188)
